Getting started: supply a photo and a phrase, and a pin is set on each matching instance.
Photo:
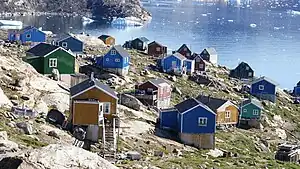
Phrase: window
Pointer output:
(201, 66)
(247, 68)
(261, 87)
(255, 112)
(149, 90)
(245, 110)
(202, 121)
(106, 108)
(113, 52)
(117, 60)
(227, 114)
(157, 49)
(65, 44)
(185, 49)
(107, 59)
(140, 44)
(52, 62)
(187, 54)
(250, 74)
(28, 36)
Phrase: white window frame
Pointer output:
(107, 59)
(64, 44)
(255, 112)
(227, 114)
(52, 62)
(202, 118)
(157, 49)
(117, 60)
(28, 36)
(104, 107)
(113, 52)
(250, 74)
(245, 110)
(261, 87)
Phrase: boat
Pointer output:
(127, 21)
(10, 23)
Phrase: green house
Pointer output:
(46, 57)
(250, 109)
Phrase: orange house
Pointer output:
(227, 113)
(91, 101)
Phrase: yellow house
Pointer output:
(227, 113)
(108, 40)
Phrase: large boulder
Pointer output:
(131, 102)
(56, 156)
(26, 127)
(4, 100)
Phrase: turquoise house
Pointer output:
(250, 113)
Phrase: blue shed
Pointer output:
(264, 88)
(168, 119)
(173, 63)
(29, 34)
(116, 60)
(69, 42)
(189, 65)
(297, 90)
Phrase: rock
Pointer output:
(177, 152)
(153, 167)
(158, 153)
(56, 156)
(281, 133)
(131, 102)
(173, 78)
(3, 135)
(11, 124)
(177, 90)
(4, 99)
(41, 107)
(24, 97)
(215, 153)
(26, 127)
(134, 155)
(53, 134)
(8, 146)
(60, 100)
(14, 97)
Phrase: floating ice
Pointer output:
(230, 20)
(292, 12)
(127, 21)
(204, 14)
(253, 25)
(10, 23)
(87, 20)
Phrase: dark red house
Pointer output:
(156, 49)
(154, 92)
(185, 51)
(199, 62)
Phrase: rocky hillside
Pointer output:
(98, 8)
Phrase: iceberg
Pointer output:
(127, 21)
(253, 25)
(292, 12)
(86, 20)
(10, 23)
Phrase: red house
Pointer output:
(185, 51)
(199, 63)
(154, 92)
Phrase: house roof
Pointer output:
(64, 36)
(157, 82)
(266, 79)
(212, 103)
(121, 50)
(154, 42)
(186, 105)
(243, 63)
(143, 39)
(183, 46)
(90, 83)
(26, 29)
(179, 56)
(42, 49)
(298, 84)
(253, 101)
(211, 51)
(104, 37)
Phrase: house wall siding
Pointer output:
(234, 116)
(202, 141)
(269, 92)
(65, 62)
(167, 63)
(85, 114)
(198, 63)
(37, 63)
(73, 44)
(36, 36)
(109, 60)
(249, 114)
(153, 52)
(168, 119)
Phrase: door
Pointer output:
(100, 114)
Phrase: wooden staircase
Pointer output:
(110, 144)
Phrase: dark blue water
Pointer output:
(272, 48)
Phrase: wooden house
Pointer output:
(116, 60)
(154, 92)
(185, 51)
(250, 113)
(210, 55)
(227, 113)
(156, 49)
(200, 64)
(140, 44)
(177, 63)
(264, 89)
(28, 35)
(296, 91)
(108, 40)
(288, 153)
(69, 42)
(93, 105)
(194, 122)
(242, 71)
(46, 57)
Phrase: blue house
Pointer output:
(194, 122)
(173, 63)
(264, 89)
(189, 66)
(296, 91)
(28, 35)
(69, 42)
(116, 60)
